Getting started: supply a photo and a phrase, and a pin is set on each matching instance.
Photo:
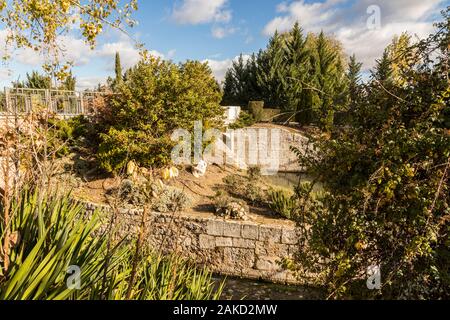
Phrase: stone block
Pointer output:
(250, 231)
(207, 242)
(270, 234)
(215, 227)
(224, 242)
(243, 243)
(237, 259)
(268, 264)
(232, 229)
(289, 236)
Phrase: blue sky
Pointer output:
(217, 31)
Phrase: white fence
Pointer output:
(61, 102)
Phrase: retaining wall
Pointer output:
(237, 248)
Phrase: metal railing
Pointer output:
(61, 102)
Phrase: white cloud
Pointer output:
(220, 67)
(222, 32)
(201, 11)
(129, 55)
(89, 82)
(347, 20)
(171, 54)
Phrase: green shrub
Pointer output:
(155, 98)
(245, 120)
(52, 233)
(256, 109)
(386, 182)
(168, 199)
(283, 203)
(119, 147)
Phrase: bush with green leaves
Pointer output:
(386, 181)
(169, 199)
(256, 109)
(156, 98)
(48, 234)
(245, 120)
(283, 203)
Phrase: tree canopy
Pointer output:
(38, 24)
(304, 75)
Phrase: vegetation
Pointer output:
(302, 75)
(37, 25)
(155, 98)
(386, 177)
(49, 234)
(283, 203)
(245, 120)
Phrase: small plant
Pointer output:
(169, 199)
(256, 109)
(254, 173)
(245, 120)
(249, 188)
(283, 203)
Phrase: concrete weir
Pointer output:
(265, 145)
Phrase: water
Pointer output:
(237, 289)
(287, 180)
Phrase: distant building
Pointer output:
(231, 114)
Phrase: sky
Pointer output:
(217, 31)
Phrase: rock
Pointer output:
(131, 169)
(170, 173)
(200, 169)
(234, 210)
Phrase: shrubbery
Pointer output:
(386, 178)
(155, 98)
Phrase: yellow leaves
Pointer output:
(170, 173)
(36, 24)
(360, 245)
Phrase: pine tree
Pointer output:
(70, 82)
(297, 74)
(229, 89)
(353, 78)
(118, 69)
(383, 69)
(271, 67)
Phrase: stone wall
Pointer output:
(236, 248)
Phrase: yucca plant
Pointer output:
(53, 233)
(51, 237)
(283, 203)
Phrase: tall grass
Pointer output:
(48, 234)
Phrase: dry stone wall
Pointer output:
(236, 248)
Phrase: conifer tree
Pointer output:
(118, 69)
(354, 78)
(271, 67)
(297, 73)
(383, 69)
(70, 82)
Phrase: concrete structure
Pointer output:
(265, 145)
(231, 114)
